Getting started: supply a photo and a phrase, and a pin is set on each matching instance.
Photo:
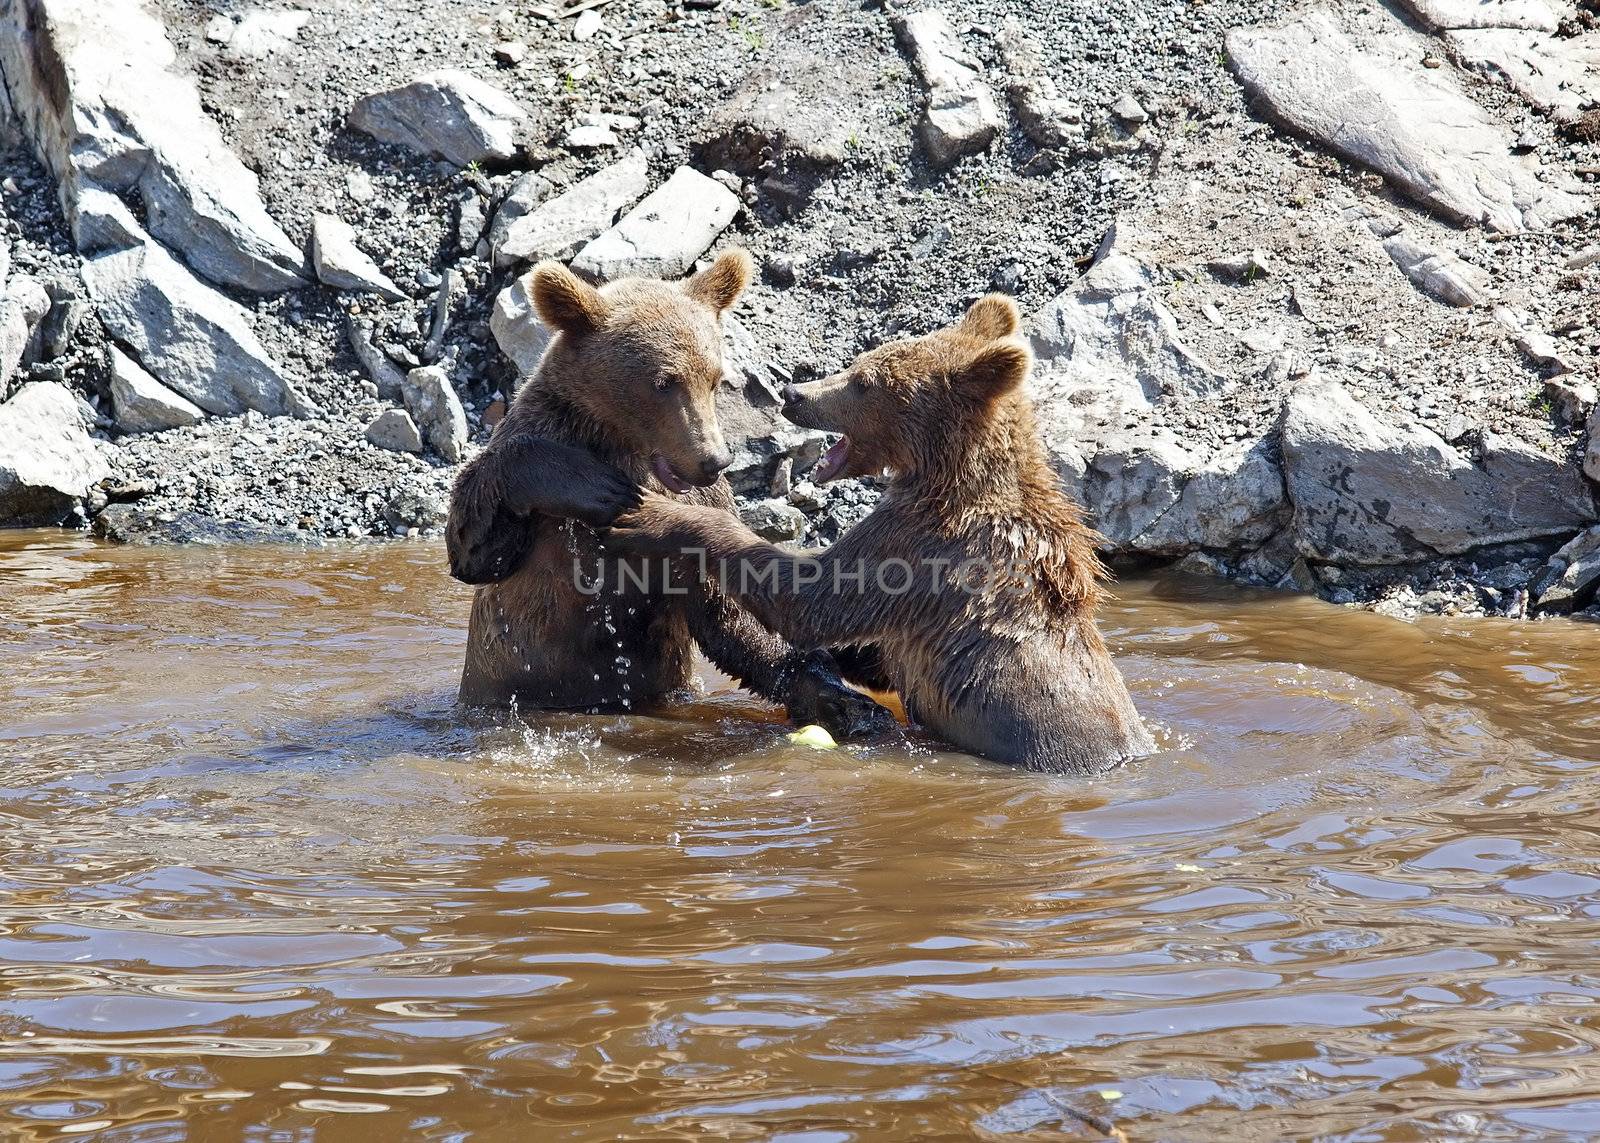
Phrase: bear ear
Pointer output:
(565, 302)
(720, 284)
(992, 317)
(995, 371)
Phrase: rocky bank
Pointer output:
(1313, 288)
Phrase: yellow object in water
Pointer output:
(812, 736)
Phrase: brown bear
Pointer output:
(974, 582)
(623, 397)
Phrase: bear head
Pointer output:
(643, 358)
(914, 405)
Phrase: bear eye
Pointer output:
(667, 381)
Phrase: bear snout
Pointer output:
(791, 395)
(714, 465)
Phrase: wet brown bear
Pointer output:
(623, 397)
(974, 581)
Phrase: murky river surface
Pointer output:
(259, 880)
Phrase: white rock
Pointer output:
(1444, 15)
(219, 29)
(586, 25)
(560, 227)
(662, 236)
(590, 136)
(1130, 111)
(1376, 105)
(1437, 273)
(22, 307)
(394, 430)
(358, 185)
(437, 410)
(342, 264)
(261, 32)
(96, 87)
(961, 117)
(1109, 340)
(1369, 492)
(516, 326)
(447, 113)
(1558, 76)
(190, 337)
(141, 404)
(49, 461)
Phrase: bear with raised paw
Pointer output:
(971, 587)
(622, 399)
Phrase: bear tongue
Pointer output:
(664, 473)
(833, 461)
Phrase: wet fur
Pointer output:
(1020, 678)
(572, 453)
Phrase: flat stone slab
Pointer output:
(1369, 492)
(1437, 273)
(1558, 76)
(342, 264)
(94, 86)
(446, 113)
(664, 234)
(193, 339)
(49, 461)
(1446, 15)
(1375, 104)
(560, 226)
(141, 404)
(961, 117)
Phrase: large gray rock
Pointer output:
(48, 461)
(1437, 273)
(559, 227)
(1109, 339)
(1369, 492)
(437, 410)
(1108, 351)
(23, 307)
(961, 117)
(95, 88)
(1443, 15)
(342, 264)
(190, 337)
(1232, 501)
(450, 114)
(1560, 76)
(141, 404)
(517, 327)
(1376, 105)
(662, 236)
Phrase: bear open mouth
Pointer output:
(832, 462)
(665, 474)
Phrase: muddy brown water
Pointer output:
(259, 880)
